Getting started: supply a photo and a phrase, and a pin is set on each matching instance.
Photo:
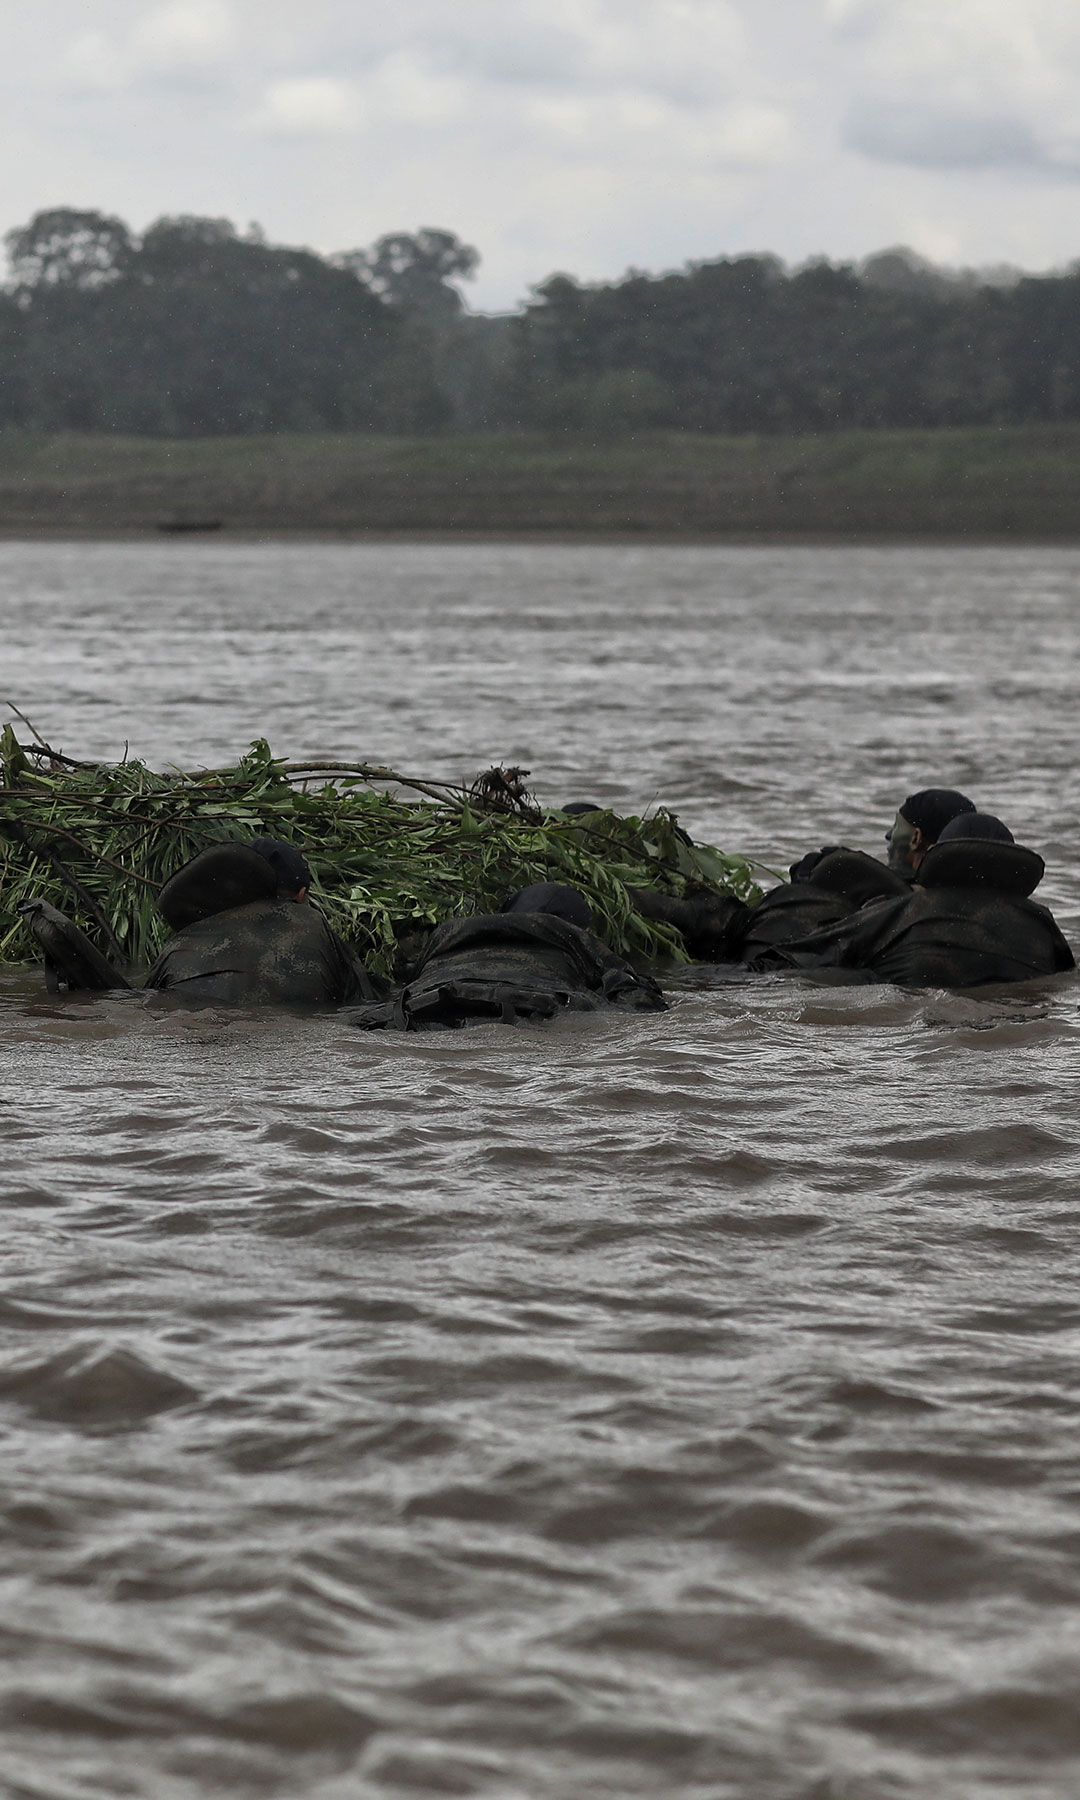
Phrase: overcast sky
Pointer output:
(581, 135)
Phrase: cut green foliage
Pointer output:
(100, 840)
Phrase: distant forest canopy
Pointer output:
(194, 329)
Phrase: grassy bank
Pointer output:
(1021, 481)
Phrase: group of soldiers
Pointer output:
(951, 907)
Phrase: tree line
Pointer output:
(195, 329)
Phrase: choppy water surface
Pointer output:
(681, 1405)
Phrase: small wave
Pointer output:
(288, 1722)
(924, 1562)
(723, 1638)
(1033, 1724)
(94, 1386)
(989, 1146)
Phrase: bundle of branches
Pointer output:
(100, 840)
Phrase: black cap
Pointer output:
(931, 809)
(976, 825)
(287, 863)
(552, 897)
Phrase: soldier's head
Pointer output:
(977, 825)
(554, 898)
(920, 822)
(290, 868)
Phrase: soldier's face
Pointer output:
(901, 842)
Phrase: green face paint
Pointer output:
(900, 841)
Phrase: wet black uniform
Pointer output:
(825, 889)
(511, 966)
(967, 921)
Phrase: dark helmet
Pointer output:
(976, 825)
(553, 897)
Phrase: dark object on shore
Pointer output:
(174, 527)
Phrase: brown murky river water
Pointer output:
(681, 1405)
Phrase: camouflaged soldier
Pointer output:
(535, 959)
(246, 934)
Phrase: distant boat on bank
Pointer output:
(175, 526)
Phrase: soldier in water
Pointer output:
(831, 884)
(967, 919)
(537, 958)
(244, 934)
(271, 949)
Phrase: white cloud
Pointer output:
(184, 34)
(183, 38)
(309, 105)
(666, 80)
(584, 134)
(690, 50)
(92, 60)
(637, 127)
(399, 91)
(403, 90)
(693, 48)
(975, 83)
(939, 137)
(965, 40)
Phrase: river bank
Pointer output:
(1015, 483)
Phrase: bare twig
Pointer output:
(435, 790)
(70, 762)
(29, 723)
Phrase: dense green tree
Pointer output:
(64, 248)
(417, 271)
(741, 345)
(194, 328)
(417, 274)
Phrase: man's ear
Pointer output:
(917, 840)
